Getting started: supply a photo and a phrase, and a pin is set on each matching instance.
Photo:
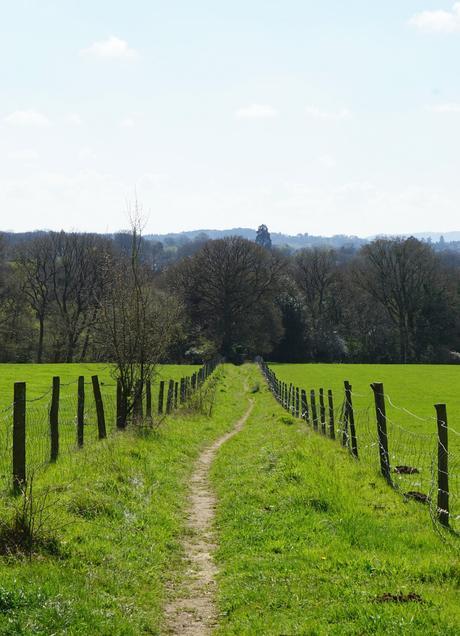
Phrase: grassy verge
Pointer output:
(312, 542)
(38, 378)
(113, 534)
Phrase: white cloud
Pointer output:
(128, 122)
(73, 119)
(445, 108)
(27, 118)
(438, 21)
(111, 49)
(87, 200)
(86, 153)
(256, 111)
(28, 154)
(339, 115)
(328, 161)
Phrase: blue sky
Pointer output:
(337, 117)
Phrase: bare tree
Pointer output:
(402, 276)
(137, 321)
(34, 264)
(229, 288)
(315, 273)
(77, 278)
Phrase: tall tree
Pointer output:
(34, 264)
(263, 237)
(229, 288)
(137, 321)
(315, 273)
(402, 275)
(76, 278)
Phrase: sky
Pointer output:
(320, 117)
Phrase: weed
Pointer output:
(27, 529)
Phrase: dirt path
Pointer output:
(194, 612)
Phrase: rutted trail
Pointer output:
(194, 611)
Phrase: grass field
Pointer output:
(411, 391)
(39, 379)
(309, 541)
(118, 516)
(313, 543)
(415, 387)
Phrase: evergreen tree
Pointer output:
(263, 237)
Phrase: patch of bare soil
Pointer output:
(193, 611)
(400, 598)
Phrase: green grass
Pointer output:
(310, 538)
(38, 380)
(411, 392)
(414, 387)
(119, 518)
(39, 377)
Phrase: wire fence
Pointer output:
(36, 432)
(418, 457)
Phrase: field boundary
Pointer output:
(419, 466)
(35, 432)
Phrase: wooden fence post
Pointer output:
(322, 411)
(380, 410)
(304, 406)
(170, 397)
(351, 419)
(121, 406)
(314, 414)
(80, 411)
(182, 390)
(148, 400)
(176, 394)
(331, 414)
(54, 419)
(161, 397)
(344, 418)
(102, 433)
(297, 402)
(19, 437)
(138, 406)
(443, 465)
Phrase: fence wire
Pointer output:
(414, 470)
(38, 444)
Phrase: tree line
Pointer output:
(69, 297)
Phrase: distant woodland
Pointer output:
(287, 298)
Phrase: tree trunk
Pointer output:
(41, 334)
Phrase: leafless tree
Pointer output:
(402, 276)
(34, 263)
(315, 273)
(77, 277)
(137, 321)
(229, 288)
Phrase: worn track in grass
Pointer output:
(193, 612)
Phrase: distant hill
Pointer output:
(292, 242)
(449, 237)
(295, 242)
